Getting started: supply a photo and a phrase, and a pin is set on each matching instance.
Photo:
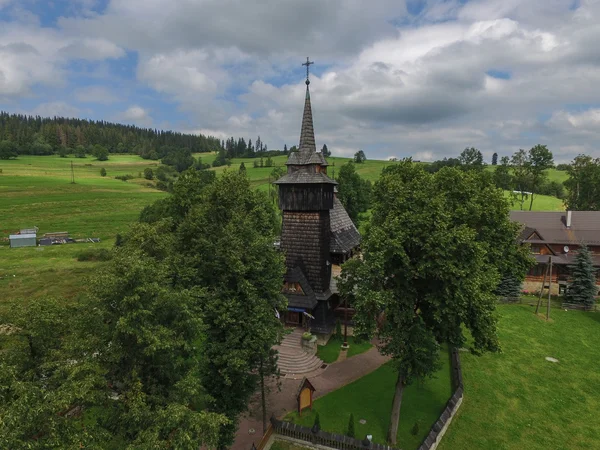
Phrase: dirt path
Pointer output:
(281, 402)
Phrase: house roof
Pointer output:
(551, 227)
(344, 235)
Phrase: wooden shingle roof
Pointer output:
(344, 235)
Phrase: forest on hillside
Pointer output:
(45, 136)
(35, 135)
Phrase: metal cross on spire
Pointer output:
(307, 64)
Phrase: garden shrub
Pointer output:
(94, 254)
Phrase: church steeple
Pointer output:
(307, 132)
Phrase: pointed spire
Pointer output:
(307, 132)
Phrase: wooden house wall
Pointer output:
(309, 197)
(305, 242)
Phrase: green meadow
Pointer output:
(519, 400)
(37, 191)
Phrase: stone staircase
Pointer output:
(293, 359)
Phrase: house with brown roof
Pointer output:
(556, 237)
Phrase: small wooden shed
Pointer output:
(305, 395)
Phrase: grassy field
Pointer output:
(330, 352)
(370, 398)
(540, 203)
(518, 400)
(37, 191)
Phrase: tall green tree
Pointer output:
(582, 288)
(353, 191)
(539, 160)
(471, 158)
(494, 159)
(521, 176)
(359, 157)
(225, 248)
(433, 256)
(8, 150)
(325, 151)
(502, 176)
(583, 184)
(242, 168)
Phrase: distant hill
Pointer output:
(43, 136)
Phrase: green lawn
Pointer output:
(330, 352)
(518, 400)
(370, 398)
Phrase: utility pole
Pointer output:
(549, 290)
(72, 174)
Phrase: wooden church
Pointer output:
(317, 233)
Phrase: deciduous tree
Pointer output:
(432, 259)
(359, 157)
(225, 246)
(502, 176)
(539, 160)
(354, 192)
(583, 184)
(471, 158)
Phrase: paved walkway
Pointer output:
(281, 402)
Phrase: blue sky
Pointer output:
(421, 78)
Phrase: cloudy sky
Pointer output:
(421, 78)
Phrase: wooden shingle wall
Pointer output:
(305, 240)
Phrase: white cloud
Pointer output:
(486, 73)
(58, 109)
(30, 55)
(135, 114)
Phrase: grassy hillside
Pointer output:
(518, 400)
(37, 191)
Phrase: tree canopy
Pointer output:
(471, 158)
(171, 340)
(583, 184)
(434, 252)
(353, 191)
(359, 157)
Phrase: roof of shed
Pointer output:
(22, 236)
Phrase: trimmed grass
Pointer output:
(357, 349)
(370, 398)
(517, 399)
(330, 352)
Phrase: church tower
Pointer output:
(315, 225)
